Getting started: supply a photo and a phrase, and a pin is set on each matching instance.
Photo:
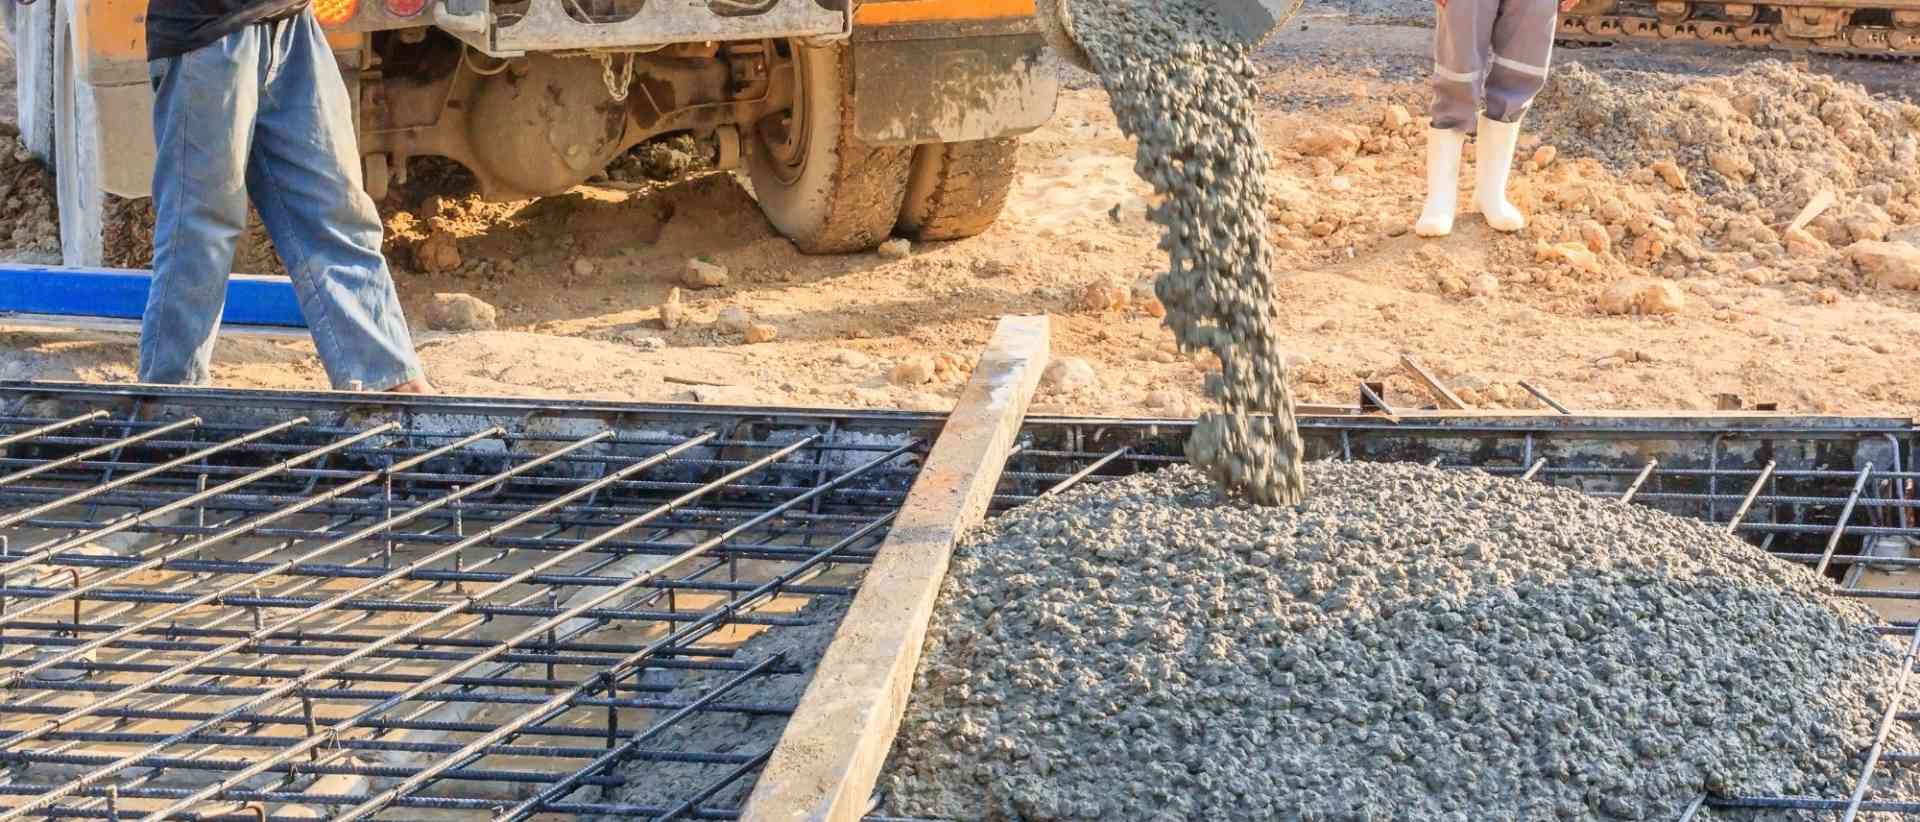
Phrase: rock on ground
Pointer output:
(760, 333)
(1642, 296)
(438, 253)
(915, 370)
(1408, 643)
(895, 249)
(733, 319)
(672, 313)
(1580, 256)
(703, 274)
(1069, 374)
(1330, 141)
(460, 312)
(1103, 296)
(1894, 265)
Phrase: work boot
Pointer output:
(1493, 160)
(1443, 182)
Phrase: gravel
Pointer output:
(1185, 91)
(1408, 644)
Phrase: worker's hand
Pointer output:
(1440, 4)
(1567, 5)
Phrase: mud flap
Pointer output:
(951, 89)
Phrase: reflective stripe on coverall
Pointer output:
(1496, 50)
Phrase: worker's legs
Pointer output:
(1460, 57)
(1522, 44)
(1461, 50)
(203, 109)
(305, 179)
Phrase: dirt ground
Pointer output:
(1687, 287)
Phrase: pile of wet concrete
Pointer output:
(1409, 643)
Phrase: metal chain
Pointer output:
(616, 86)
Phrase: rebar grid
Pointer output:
(196, 616)
(283, 604)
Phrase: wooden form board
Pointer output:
(1441, 393)
(828, 760)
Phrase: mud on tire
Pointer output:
(816, 183)
(957, 190)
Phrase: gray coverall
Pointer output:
(1496, 50)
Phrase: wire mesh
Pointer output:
(219, 604)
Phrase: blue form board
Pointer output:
(119, 293)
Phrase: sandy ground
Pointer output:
(577, 280)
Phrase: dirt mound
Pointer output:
(1767, 139)
(29, 212)
(1409, 643)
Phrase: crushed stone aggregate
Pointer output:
(1185, 91)
(1409, 643)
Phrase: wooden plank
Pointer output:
(828, 760)
(1441, 393)
(1541, 395)
(1812, 210)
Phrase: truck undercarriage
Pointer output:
(853, 124)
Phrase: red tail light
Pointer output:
(405, 8)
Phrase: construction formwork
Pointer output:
(281, 605)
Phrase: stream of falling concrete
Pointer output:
(1185, 91)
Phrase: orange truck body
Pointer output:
(113, 39)
(948, 41)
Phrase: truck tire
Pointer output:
(76, 153)
(33, 75)
(957, 190)
(824, 190)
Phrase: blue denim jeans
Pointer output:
(264, 112)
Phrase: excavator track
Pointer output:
(1869, 32)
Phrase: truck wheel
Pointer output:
(819, 186)
(33, 75)
(76, 154)
(956, 190)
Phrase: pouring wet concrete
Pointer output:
(1183, 87)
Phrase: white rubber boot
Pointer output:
(1443, 182)
(1493, 160)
